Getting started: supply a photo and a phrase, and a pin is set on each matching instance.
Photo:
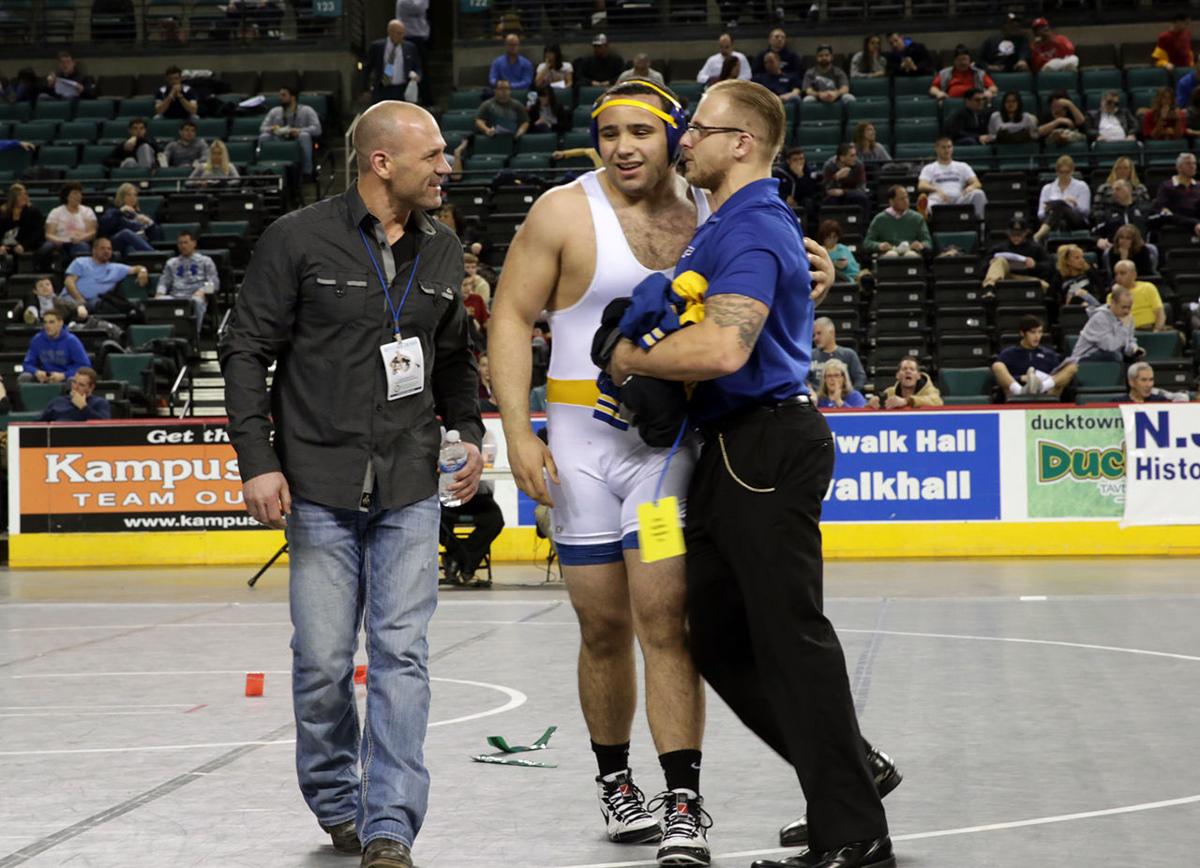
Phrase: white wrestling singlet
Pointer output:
(605, 473)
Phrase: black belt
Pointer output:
(729, 420)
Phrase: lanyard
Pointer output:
(383, 281)
(667, 464)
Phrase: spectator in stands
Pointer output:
(1074, 278)
(553, 71)
(1028, 368)
(1174, 46)
(512, 66)
(898, 230)
(1107, 336)
(729, 71)
(54, 354)
(1008, 50)
(1142, 390)
(80, 404)
(845, 178)
(189, 275)
(487, 398)
(68, 81)
(1011, 124)
(70, 227)
(125, 226)
(712, 67)
(835, 389)
(1147, 309)
(217, 167)
(463, 556)
(801, 188)
(773, 78)
(824, 82)
(869, 61)
(602, 67)
(868, 146)
(94, 282)
(414, 15)
(43, 299)
(1164, 120)
(969, 125)
(1111, 122)
(477, 309)
(188, 149)
(502, 114)
(1018, 257)
(1123, 169)
(962, 76)
(292, 120)
(390, 63)
(1193, 115)
(911, 389)
(845, 265)
(1120, 211)
(139, 149)
(908, 57)
(641, 69)
(254, 18)
(1178, 200)
(1127, 243)
(1065, 203)
(1051, 51)
(547, 115)
(175, 99)
(22, 226)
(1185, 87)
(825, 349)
(473, 281)
(947, 181)
(1063, 123)
(789, 61)
(448, 215)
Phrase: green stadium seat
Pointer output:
(1022, 82)
(128, 366)
(134, 291)
(87, 174)
(1018, 156)
(581, 118)
(537, 143)
(1163, 153)
(1147, 77)
(15, 161)
(95, 154)
(871, 87)
(588, 94)
(1142, 97)
(212, 128)
(58, 156)
(115, 129)
(1049, 81)
(501, 143)
(53, 110)
(688, 91)
(1104, 152)
(1159, 345)
(1101, 79)
(486, 163)
(16, 112)
(878, 113)
(164, 129)
(228, 227)
(974, 382)
(77, 133)
(925, 131)
(171, 231)
(466, 99)
(576, 139)
(241, 153)
(1098, 376)
(816, 136)
(245, 129)
(914, 151)
(821, 113)
(130, 173)
(911, 85)
(35, 396)
(97, 109)
(916, 108)
(273, 151)
(318, 102)
(138, 107)
(964, 241)
(530, 162)
(141, 334)
(38, 132)
(456, 128)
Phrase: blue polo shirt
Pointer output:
(519, 73)
(753, 246)
(95, 279)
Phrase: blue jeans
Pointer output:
(377, 568)
(127, 240)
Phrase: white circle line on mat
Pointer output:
(515, 700)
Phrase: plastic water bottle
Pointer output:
(488, 448)
(451, 459)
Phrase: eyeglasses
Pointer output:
(701, 132)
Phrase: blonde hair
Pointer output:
(123, 193)
(1064, 160)
(836, 365)
(765, 106)
(210, 164)
(1133, 176)
(1064, 252)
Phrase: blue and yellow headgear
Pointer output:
(675, 118)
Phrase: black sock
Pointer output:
(611, 758)
(682, 769)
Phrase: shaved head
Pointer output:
(396, 31)
(400, 155)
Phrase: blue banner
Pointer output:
(914, 467)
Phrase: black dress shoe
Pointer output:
(382, 853)
(345, 837)
(862, 854)
(887, 777)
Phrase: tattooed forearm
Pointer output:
(738, 311)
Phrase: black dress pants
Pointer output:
(483, 511)
(758, 632)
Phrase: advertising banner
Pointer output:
(915, 467)
(1163, 444)
(1075, 463)
(126, 477)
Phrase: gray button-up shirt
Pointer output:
(312, 302)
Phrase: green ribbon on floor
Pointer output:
(499, 743)
(512, 761)
(501, 759)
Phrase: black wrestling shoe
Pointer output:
(382, 853)
(862, 854)
(345, 838)
(887, 778)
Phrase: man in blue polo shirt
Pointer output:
(754, 564)
(89, 278)
(512, 66)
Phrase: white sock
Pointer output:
(1047, 381)
(1015, 388)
